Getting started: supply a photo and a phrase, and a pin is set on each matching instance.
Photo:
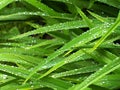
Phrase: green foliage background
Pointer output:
(59, 45)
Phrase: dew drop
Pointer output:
(53, 76)
(31, 82)
(4, 76)
(103, 82)
(32, 86)
(43, 14)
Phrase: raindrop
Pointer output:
(75, 69)
(102, 13)
(44, 67)
(27, 48)
(30, 13)
(43, 14)
(17, 0)
(32, 86)
(31, 69)
(10, 48)
(31, 82)
(12, 66)
(105, 65)
(53, 76)
(66, 61)
(4, 76)
(41, 85)
(103, 82)
(33, 41)
(8, 43)
(100, 69)
(117, 44)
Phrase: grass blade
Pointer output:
(85, 18)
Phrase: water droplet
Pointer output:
(53, 76)
(4, 76)
(33, 41)
(103, 82)
(31, 82)
(100, 69)
(32, 86)
(27, 48)
(43, 14)
(75, 69)
(44, 67)
(102, 13)
(17, 0)
(66, 61)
